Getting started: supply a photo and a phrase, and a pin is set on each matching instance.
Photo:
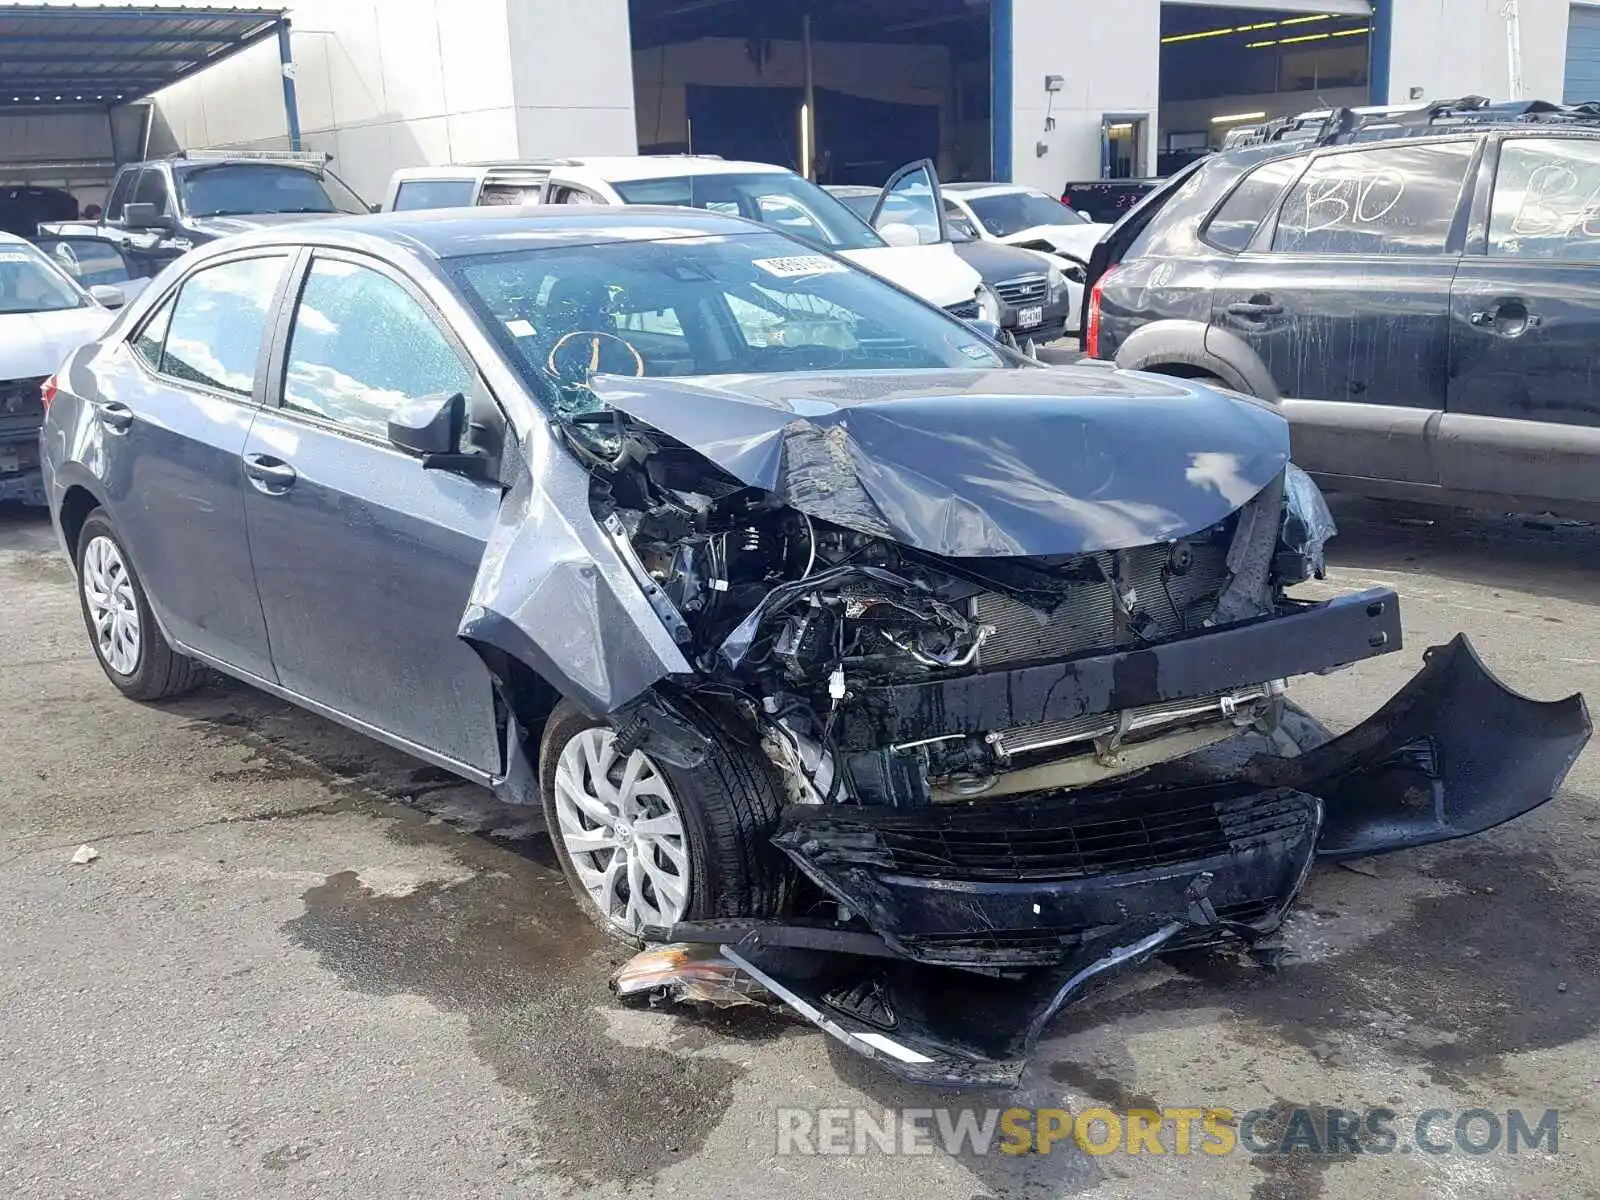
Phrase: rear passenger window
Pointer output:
(433, 193)
(154, 335)
(215, 335)
(1393, 200)
(120, 195)
(152, 189)
(1241, 214)
(1547, 200)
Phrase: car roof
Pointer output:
(620, 168)
(10, 239)
(459, 232)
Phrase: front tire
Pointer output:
(646, 844)
(126, 640)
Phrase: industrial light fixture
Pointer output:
(1230, 118)
(1211, 33)
(1309, 37)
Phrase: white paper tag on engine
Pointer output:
(798, 266)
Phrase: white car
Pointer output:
(44, 316)
(1024, 216)
(760, 192)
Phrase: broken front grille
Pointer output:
(1031, 289)
(21, 406)
(1087, 620)
(1015, 843)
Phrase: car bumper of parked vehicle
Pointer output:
(20, 479)
(967, 927)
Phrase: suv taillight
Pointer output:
(1091, 332)
(47, 392)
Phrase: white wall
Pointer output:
(381, 84)
(1109, 57)
(572, 71)
(1458, 47)
(895, 74)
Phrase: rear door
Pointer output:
(1524, 410)
(1345, 297)
(173, 406)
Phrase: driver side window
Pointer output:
(362, 347)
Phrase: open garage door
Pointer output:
(1224, 66)
(888, 81)
(72, 76)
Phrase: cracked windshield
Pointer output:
(710, 306)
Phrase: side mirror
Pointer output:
(431, 425)
(108, 296)
(989, 329)
(433, 428)
(898, 233)
(145, 216)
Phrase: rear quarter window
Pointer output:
(1389, 200)
(1233, 224)
(433, 193)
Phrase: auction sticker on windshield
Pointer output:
(798, 266)
(16, 256)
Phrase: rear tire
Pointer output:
(126, 640)
(716, 860)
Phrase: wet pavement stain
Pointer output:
(508, 949)
(1459, 981)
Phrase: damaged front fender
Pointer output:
(557, 593)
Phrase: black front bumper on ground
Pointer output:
(966, 927)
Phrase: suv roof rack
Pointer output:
(1332, 126)
(317, 158)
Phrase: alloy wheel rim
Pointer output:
(108, 592)
(623, 832)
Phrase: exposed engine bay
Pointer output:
(1027, 703)
(801, 616)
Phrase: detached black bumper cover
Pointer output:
(1047, 895)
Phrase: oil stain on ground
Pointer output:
(508, 949)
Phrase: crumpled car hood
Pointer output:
(980, 463)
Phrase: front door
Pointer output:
(1346, 300)
(1523, 411)
(364, 560)
(912, 197)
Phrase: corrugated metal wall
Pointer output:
(1583, 55)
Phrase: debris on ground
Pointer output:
(684, 973)
(84, 855)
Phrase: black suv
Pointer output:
(1420, 288)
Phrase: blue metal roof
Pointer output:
(90, 55)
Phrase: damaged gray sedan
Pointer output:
(916, 683)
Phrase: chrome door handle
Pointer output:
(115, 416)
(270, 475)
